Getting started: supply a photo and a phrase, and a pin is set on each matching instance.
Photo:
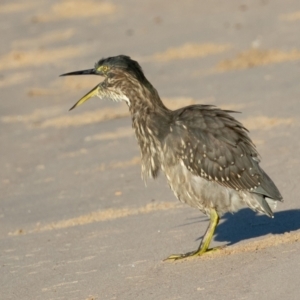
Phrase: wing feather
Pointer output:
(215, 146)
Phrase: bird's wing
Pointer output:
(215, 146)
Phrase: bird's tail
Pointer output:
(261, 204)
(268, 187)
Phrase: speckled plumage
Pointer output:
(207, 156)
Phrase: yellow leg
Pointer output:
(203, 247)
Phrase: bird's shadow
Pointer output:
(246, 224)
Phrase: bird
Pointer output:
(207, 156)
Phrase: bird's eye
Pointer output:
(104, 68)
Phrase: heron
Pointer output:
(207, 156)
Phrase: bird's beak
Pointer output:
(91, 93)
(83, 72)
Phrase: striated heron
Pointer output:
(207, 156)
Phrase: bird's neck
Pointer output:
(146, 102)
(148, 111)
(150, 121)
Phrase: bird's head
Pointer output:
(120, 73)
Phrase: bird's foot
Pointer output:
(198, 252)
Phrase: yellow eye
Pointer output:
(103, 68)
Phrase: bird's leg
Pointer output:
(203, 247)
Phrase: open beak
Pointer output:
(91, 93)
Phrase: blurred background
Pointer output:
(71, 194)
